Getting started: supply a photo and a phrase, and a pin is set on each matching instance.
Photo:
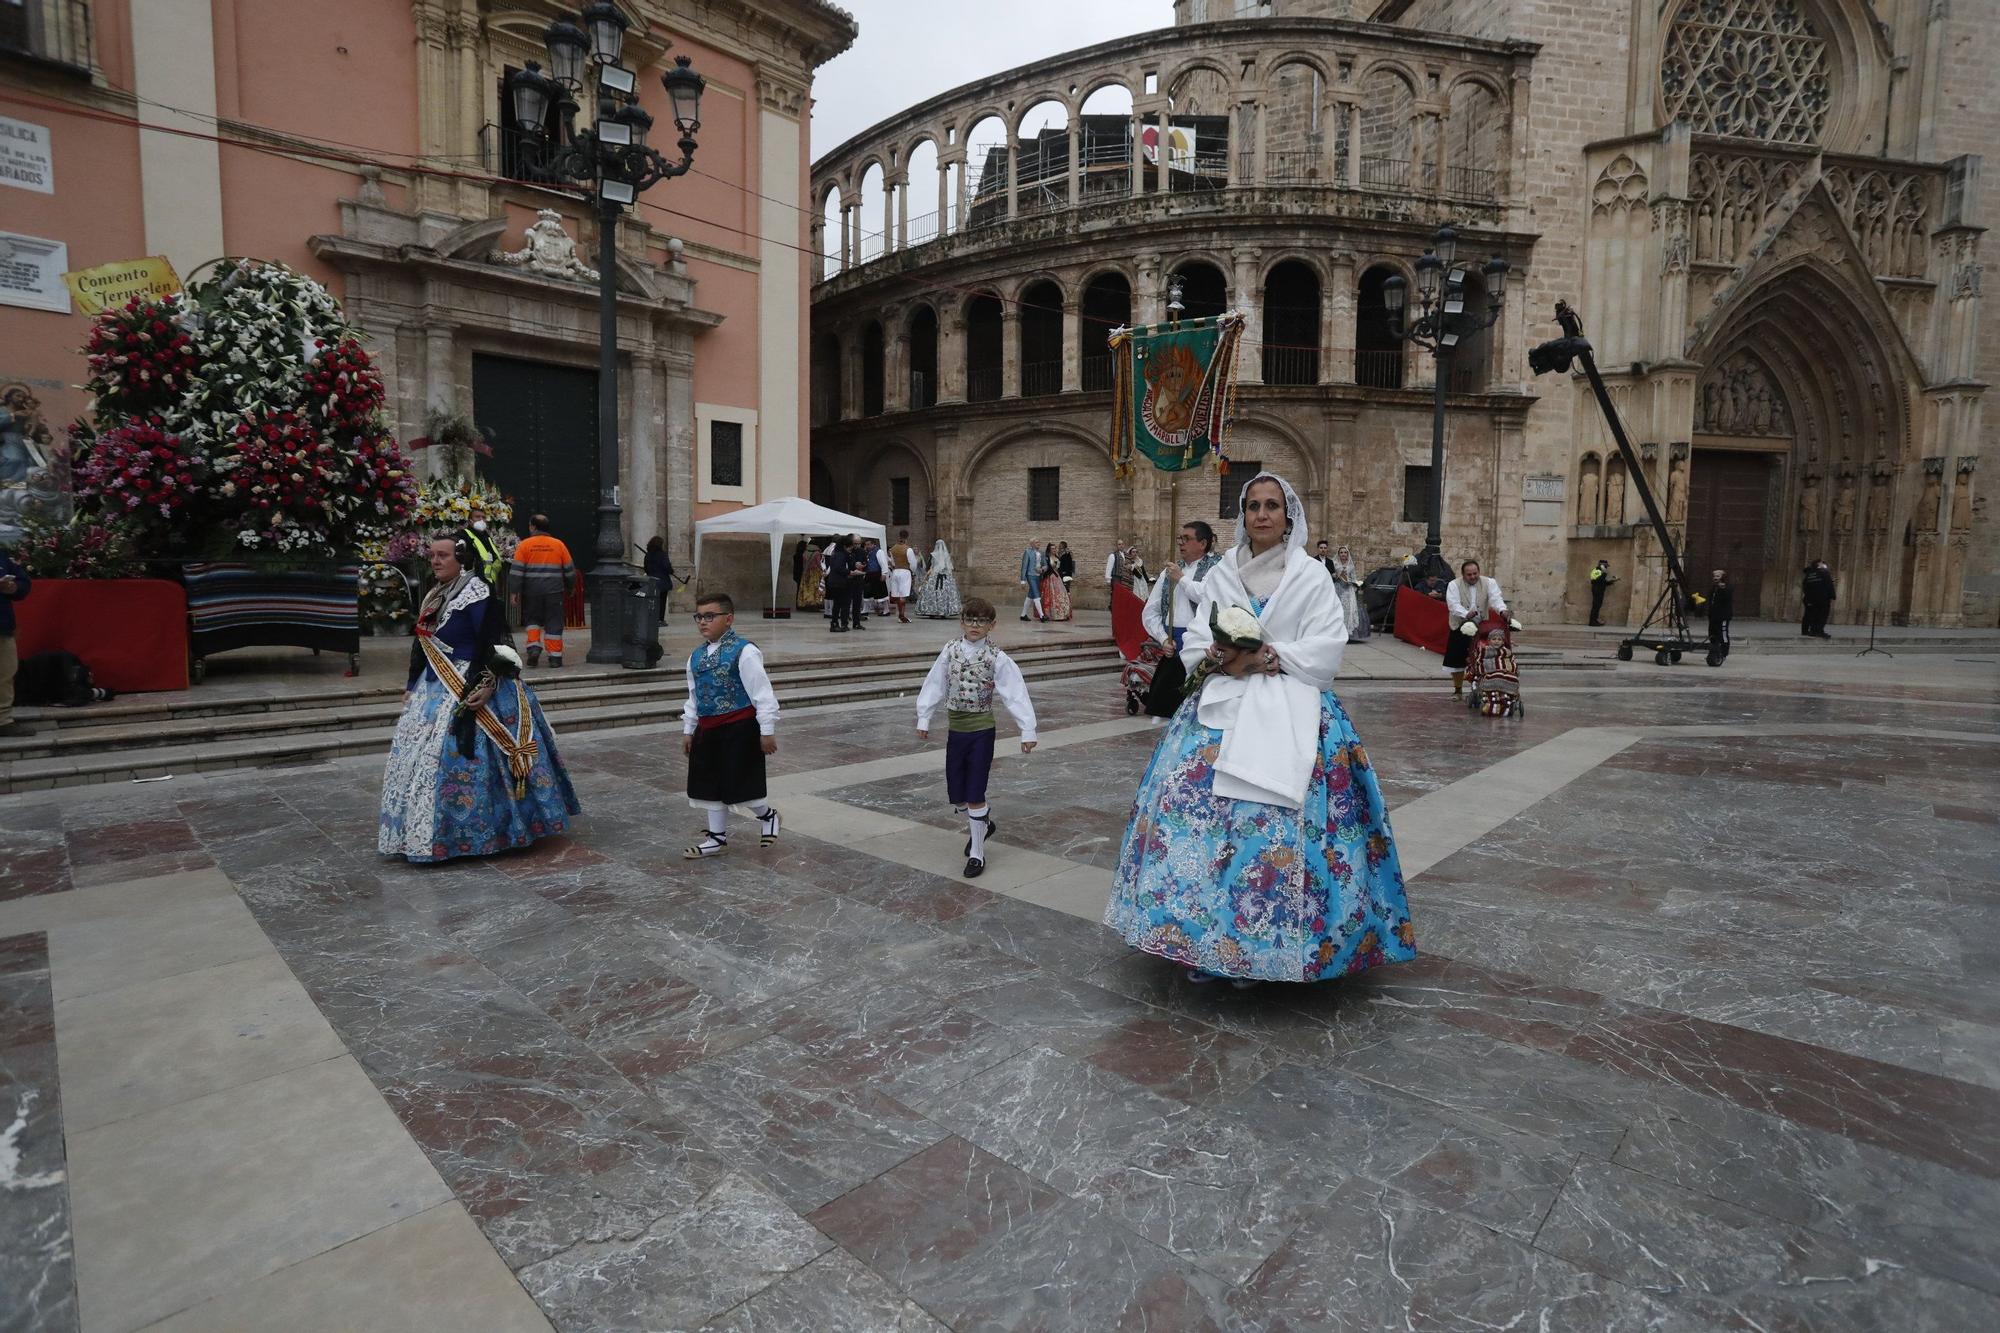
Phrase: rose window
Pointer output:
(1748, 69)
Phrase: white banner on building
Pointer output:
(31, 270)
(27, 159)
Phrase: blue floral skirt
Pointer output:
(1244, 889)
(437, 804)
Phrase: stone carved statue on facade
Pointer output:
(1739, 399)
(1843, 508)
(1961, 498)
(1614, 492)
(550, 249)
(1809, 507)
(1677, 488)
(1587, 492)
(1878, 505)
(1932, 500)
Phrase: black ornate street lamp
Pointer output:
(612, 159)
(1441, 320)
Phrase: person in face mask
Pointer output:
(485, 554)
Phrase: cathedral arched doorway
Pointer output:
(1801, 447)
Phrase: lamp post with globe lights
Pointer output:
(1439, 322)
(611, 159)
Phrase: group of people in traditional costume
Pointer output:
(1258, 848)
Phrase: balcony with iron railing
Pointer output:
(48, 32)
(1039, 379)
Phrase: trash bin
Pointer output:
(642, 628)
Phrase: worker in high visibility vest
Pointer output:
(541, 578)
(485, 553)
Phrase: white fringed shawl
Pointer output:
(1270, 724)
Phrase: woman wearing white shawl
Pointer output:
(1259, 847)
(939, 598)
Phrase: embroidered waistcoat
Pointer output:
(969, 670)
(718, 686)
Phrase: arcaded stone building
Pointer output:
(1767, 211)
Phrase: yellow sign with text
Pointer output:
(109, 286)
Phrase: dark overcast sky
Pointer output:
(913, 49)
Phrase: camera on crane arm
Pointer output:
(1556, 355)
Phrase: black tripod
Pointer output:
(1665, 629)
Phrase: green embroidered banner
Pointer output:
(1174, 391)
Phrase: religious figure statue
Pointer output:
(1843, 508)
(1961, 498)
(1878, 505)
(1932, 499)
(1587, 493)
(1677, 490)
(1809, 508)
(550, 249)
(1614, 493)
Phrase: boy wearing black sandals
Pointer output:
(966, 678)
(728, 725)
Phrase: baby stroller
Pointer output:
(1493, 679)
(1138, 648)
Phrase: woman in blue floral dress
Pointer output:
(1259, 847)
(480, 783)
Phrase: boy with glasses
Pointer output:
(966, 677)
(728, 725)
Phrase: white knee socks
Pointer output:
(718, 820)
(977, 816)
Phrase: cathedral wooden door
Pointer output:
(542, 420)
(1727, 490)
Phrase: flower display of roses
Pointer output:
(141, 356)
(87, 550)
(242, 417)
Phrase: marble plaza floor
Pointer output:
(1704, 1035)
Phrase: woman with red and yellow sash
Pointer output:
(473, 769)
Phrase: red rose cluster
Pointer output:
(343, 384)
(381, 477)
(281, 468)
(140, 470)
(140, 357)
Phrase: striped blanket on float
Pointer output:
(241, 606)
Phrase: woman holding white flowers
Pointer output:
(1259, 847)
(473, 769)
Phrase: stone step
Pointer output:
(170, 755)
(641, 697)
(569, 681)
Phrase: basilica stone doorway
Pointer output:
(1728, 521)
(542, 421)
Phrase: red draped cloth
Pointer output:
(1128, 624)
(1421, 620)
(131, 633)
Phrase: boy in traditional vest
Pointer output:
(728, 725)
(966, 677)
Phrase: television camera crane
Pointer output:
(1665, 629)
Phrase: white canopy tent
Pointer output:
(778, 519)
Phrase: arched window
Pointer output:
(922, 171)
(1378, 352)
(1044, 150)
(986, 158)
(1107, 305)
(1388, 131)
(923, 357)
(1041, 339)
(1472, 356)
(872, 357)
(1204, 291)
(1104, 142)
(982, 348)
(1476, 144)
(871, 240)
(1751, 69)
(1291, 324)
(833, 257)
(825, 376)
(1198, 139)
(1294, 150)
